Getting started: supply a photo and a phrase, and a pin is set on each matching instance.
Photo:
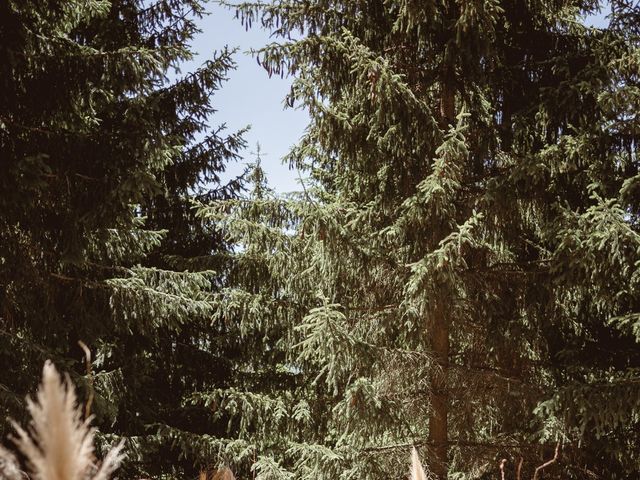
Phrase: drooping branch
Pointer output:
(453, 443)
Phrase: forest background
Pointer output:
(459, 271)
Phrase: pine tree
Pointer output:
(466, 245)
(595, 256)
(263, 403)
(101, 152)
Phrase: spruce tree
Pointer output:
(458, 271)
(594, 258)
(100, 153)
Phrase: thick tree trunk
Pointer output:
(438, 428)
(447, 101)
(439, 334)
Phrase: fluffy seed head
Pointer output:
(58, 444)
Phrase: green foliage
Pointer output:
(511, 224)
(103, 148)
(466, 246)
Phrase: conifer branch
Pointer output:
(452, 443)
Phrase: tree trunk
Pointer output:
(438, 428)
(447, 101)
(439, 333)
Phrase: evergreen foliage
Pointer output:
(101, 150)
(460, 272)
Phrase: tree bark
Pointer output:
(447, 101)
(438, 427)
(439, 332)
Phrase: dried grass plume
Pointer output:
(9, 468)
(222, 474)
(58, 444)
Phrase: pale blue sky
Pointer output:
(250, 97)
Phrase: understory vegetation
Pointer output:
(459, 272)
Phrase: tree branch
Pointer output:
(519, 469)
(546, 464)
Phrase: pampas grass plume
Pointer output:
(9, 469)
(224, 474)
(58, 444)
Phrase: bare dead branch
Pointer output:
(87, 363)
(547, 463)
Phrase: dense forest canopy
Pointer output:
(459, 273)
